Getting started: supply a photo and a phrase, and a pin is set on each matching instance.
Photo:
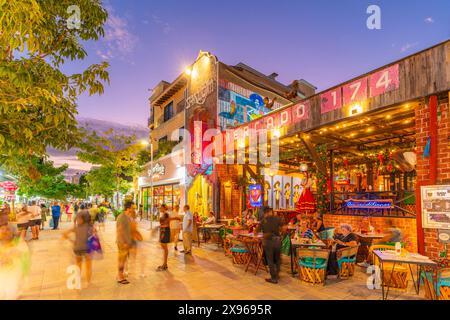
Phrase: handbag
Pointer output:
(286, 246)
(94, 247)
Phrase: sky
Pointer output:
(323, 42)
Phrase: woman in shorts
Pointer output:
(23, 221)
(82, 230)
(164, 235)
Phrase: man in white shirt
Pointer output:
(188, 224)
(35, 220)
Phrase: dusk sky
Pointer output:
(323, 42)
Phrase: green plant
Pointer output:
(116, 213)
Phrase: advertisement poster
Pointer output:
(256, 199)
(436, 207)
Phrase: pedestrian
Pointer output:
(164, 235)
(175, 226)
(135, 252)
(188, 223)
(44, 213)
(124, 239)
(70, 211)
(4, 214)
(82, 230)
(271, 229)
(35, 219)
(56, 214)
(23, 221)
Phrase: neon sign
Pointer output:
(369, 204)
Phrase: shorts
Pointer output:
(164, 236)
(23, 226)
(80, 253)
(35, 222)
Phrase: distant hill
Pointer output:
(69, 157)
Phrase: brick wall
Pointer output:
(407, 225)
(432, 247)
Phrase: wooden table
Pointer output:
(365, 242)
(319, 244)
(216, 226)
(255, 250)
(410, 259)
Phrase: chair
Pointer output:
(312, 265)
(326, 235)
(238, 250)
(443, 284)
(397, 278)
(428, 282)
(346, 258)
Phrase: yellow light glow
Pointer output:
(188, 71)
(369, 129)
(144, 142)
(356, 109)
(276, 132)
(194, 73)
(388, 116)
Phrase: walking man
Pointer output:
(124, 239)
(271, 229)
(187, 229)
(35, 220)
(56, 213)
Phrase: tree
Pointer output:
(116, 155)
(37, 99)
(49, 182)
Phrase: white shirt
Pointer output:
(35, 212)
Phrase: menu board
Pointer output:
(436, 207)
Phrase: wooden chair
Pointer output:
(443, 284)
(346, 258)
(428, 282)
(312, 265)
(397, 278)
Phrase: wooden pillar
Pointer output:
(331, 180)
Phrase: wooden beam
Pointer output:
(314, 155)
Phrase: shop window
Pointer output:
(168, 112)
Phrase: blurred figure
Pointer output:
(305, 231)
(56, 214)
(23, 221)
(124, 239)
(317, 223)
(44, 213)
(93, 211)
(164, 236)
(70, 212)
(175, 226)
(82, 230)
(35, 220)
(14, 263)
(135, 252)
(392, 234)
(4, 213)
(188, 226)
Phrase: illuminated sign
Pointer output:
(436, 206)
(369, 204)
(256, 198)
(158, 170)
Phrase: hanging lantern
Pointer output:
(303, 167)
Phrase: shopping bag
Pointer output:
(94, 247)
(286, 246)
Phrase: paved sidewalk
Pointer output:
(208, 274)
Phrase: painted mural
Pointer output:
(238, 105)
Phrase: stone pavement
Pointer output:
(207, 274)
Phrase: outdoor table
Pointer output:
(216, 227)
(255, 250)
(226, 221)
(410, 259)
(319, 244)
(365, 242)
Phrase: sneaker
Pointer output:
(271, 281)
(363, 264)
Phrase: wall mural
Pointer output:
(239, 105)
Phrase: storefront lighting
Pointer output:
(276, 132)
(303, 167)
(188, 71)
(356, 109)
(352, 134)
(369, 129)
(388, 116)
(194, 73)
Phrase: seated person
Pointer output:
(393, 234)
(305, 231)
(211, 218)
(342, 240)
(317, 224)
(296, 220)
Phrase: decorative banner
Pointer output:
(355, 91)
(369, 204)
(8, 186)
(330, 100)
(197, 145)
(384, 81)
(436, 206)
(256, 199)
(300, 111)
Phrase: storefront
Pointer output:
(166, 187)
